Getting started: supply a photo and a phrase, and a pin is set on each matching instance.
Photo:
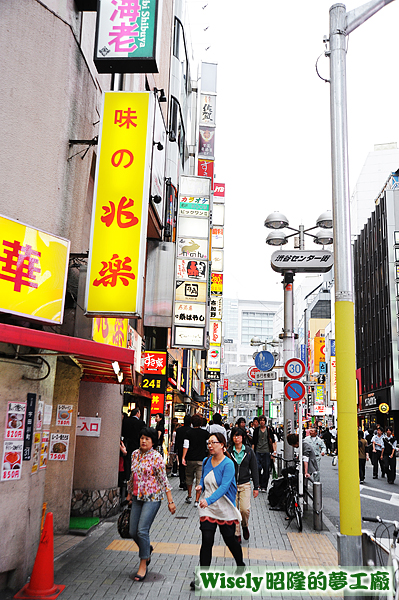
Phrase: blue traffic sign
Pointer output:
(264, 360)
(294, 390)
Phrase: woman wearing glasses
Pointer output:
(217, 507)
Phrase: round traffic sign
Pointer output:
(264, 360)
(294, 390)
(251, 373)
(294, 368)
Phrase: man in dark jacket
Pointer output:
(131, 428)
(246, 468)
(195, 449)
(181, 433)
(264, 445)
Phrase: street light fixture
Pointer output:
(278, 221)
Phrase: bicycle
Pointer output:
(380, 551)
(292, 504)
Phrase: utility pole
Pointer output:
(341, 24)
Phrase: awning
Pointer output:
(95, 359)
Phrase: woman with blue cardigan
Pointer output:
(218, 506)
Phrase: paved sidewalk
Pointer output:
(100, 565)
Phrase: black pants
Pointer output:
(390, 467)
(362, 468)
(377, 460)
(182, 472)
(208, 530)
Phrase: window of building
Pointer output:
(176, 125)
(256, 324)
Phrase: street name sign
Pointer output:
(265, 375)
(302, 261)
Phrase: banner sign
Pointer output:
(207, 109)
(205, 168)
(192, 273)
(126, 36)
(120, 209)
(110, 331)
(206, 142)
(33, 272)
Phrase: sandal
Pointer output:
(138, 577)
(149, 558)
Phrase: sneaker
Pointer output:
(192, 585)
(245, 532)
(263, 490)
(188, 500)
(196, 504)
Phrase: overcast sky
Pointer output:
(273, 117)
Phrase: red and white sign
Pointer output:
(155, 363)
(12, 460)
(215, 332)
(88, 426)
(251, 373)
(294, 390)
(205, 168)
(219, 189)
(294, 368)
(226, 385)
(15, 420)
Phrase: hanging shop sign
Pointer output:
(187, 291)
(217, 284)
(119, 220)
(216, 310)
(302, 261)
(217, 261)
(206, 141)
(192, 275)
(213, 375)
(154, 379)
(217, 237)
(383, 408)
(127, 36)
(110, 331)
(192, 314)
(206, 168)
(207, 109)
(197, 248)
(218, 192)
(33, 272)
(213, 358)
(44, 449)
(215, 332)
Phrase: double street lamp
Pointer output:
(277, 222)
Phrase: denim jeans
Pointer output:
(263, 460)
(141, 518)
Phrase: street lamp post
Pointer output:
(277, 221)
(341, 24)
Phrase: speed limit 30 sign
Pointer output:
(294, 368)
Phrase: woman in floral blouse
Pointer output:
(146, 487)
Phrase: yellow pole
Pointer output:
(348, 456)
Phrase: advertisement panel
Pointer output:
(194, 206)
(213, 359)
(119, 219)
(217, 237)
(207, 109)
(319, 352)
(33, 272)
(126, 36)
(217, 284)
(196, 248)
(219, 191)
(110, 331)
(216, 311)
(206, 142)
(215, 332)
(193, 314)
(206, 168)
(190, 291)
(191, 269)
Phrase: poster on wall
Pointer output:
(44, 450)
(29, 422)
(64, 415)
(88, 426)
(36, 452)
(12, 460)
(39, 417)
(15, 420)
(59, 446)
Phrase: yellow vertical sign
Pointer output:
(119, 220)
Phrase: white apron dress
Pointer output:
(223, 510)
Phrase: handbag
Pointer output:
(123, 523)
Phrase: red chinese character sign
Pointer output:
(119, 221)
(33, 268)
(154, 379)
(88, 426)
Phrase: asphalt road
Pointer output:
(376, 495)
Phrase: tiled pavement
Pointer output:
(100, 564)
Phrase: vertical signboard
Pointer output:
(126, 36)
(154, 379)
(192, 275)
(120, 209)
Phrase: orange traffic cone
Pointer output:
(41, 584)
